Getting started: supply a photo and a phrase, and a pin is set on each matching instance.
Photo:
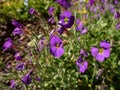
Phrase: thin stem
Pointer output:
(93, 75)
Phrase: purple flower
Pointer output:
(66, 19)
(115, 2)
(64, 3)
(118, 26)
(104, 2)
(17, 56)
(80, 27)
(105, 45)
(56, 46)
(51, 10)
(61, 29)
(83, 53)
(26, 79)
(117, 15)
(97, 8)
(20, 66)
(102, 53)
(12, 84)
(51, 20)
(102, 8)
(41, 43)
(92, 9)
(17, 31)
(7, 44)
(91, 2)
(82, 65)
(32, 11)
(84, 30)
(112, 9)
(17, 24)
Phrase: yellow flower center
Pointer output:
(86, 0)
(101, 50)
(66, 20)
(57, 45)
(83, 11)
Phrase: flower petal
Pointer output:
(7, 44)
(83, 66)
(104, 44)
(26, 79)
(82, 69)
(79, 25)
(59, 52)
(84, 30)
(17, 31)
(99, 57)
(55, 40)
(106, 53)
(12, 84)
(53, 50)
(94, 50)
(118, 26)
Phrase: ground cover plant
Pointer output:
(76, 48)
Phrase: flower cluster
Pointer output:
(80, 27)
(102, 53)
(56, 46)
(53, 56)
(19, 28)
(82, 64)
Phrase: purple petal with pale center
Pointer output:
(100, 57)
(55, 40)
(66, 19)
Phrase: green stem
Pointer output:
(93, 75)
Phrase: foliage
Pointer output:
(64, 72)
